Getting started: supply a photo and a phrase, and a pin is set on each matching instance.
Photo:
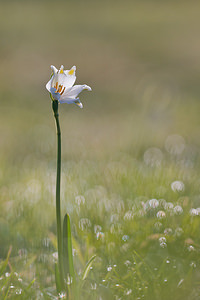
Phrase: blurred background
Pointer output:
(142, 60)
(140, 57)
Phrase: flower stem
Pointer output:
(58, 177)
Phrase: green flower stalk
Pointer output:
(58, 177)
(62, 90)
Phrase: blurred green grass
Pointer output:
(142, 60)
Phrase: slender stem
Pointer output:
(58, 177)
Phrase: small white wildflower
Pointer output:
(128, 215)
(55, 255)
(178, 231)
(61, 295)
(163, 245)
(127, 263)
(178, 210)
(193, 265)
(161, 214)
(97, 228)
(100, 235)
(193, 212)
(153, 157)
(18, 291)
(162, 239)
(168, 231)
(79, 200)
(109, 268)
(153, 203)
(125, 238)
(198, 210)
(169, 206)
(191, 248)
(177, 186)
(158, 225)
(84, 224)
(127, 292)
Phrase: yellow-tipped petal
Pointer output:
(61, 71)
(78, 103)
(71, 72)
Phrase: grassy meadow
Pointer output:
(130, 158)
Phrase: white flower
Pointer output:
(161, 214)
(62, 88)
(177, 186)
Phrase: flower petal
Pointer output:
(67, 100)
(78, 102)
(48, 85)
(63, 79)
(59, 78)
(70, 101)
(73, 92)
(61, 70)
(71, 77)
(54, 69)
(71, 72)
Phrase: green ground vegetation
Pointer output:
(130, 158)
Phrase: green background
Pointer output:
(142, 60)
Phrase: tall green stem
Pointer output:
(58, 210)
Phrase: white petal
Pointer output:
(48, 85)
(54, 69)
(70, 101)
(67, 100)
(78, 102)
(61, 70)
(71, 72)
(73, 92)
(60, 78)
(71, 77)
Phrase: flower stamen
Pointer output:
(59, 88)
(56, 86)
(62, 91)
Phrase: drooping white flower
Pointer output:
(62, 88)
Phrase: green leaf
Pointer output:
(67, 250)
(57, 277)
(78, 251)
(5, 263)
(6, 295)
(87, 267)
